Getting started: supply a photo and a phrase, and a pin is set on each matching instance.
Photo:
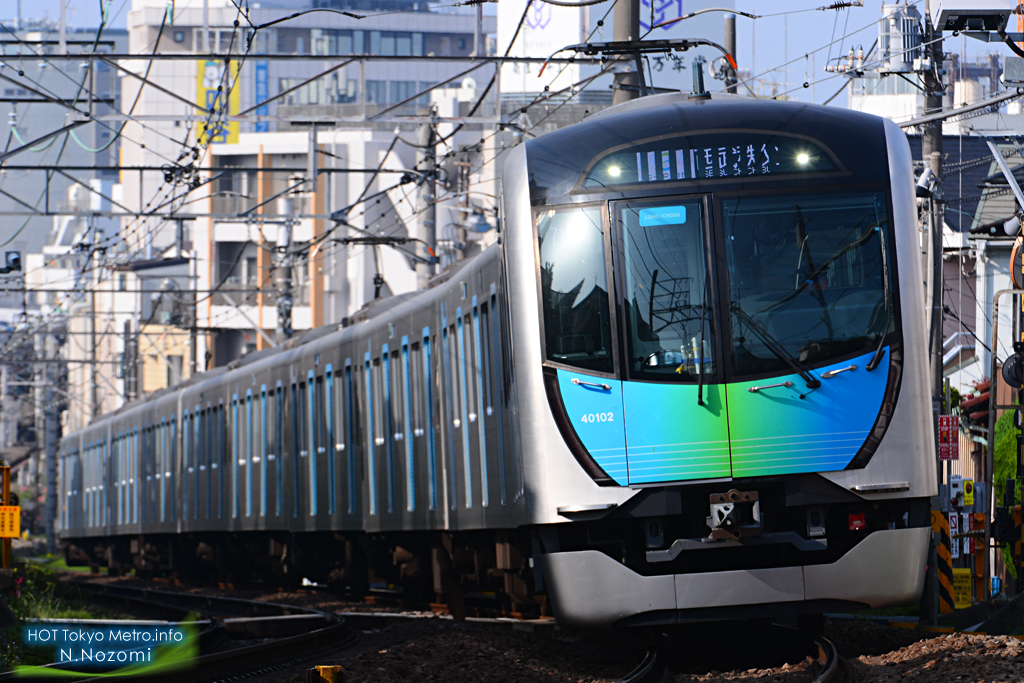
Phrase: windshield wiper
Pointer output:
(775, 347)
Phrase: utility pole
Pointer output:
(283, 264)
(39, 375)
(931, 155)
(94, 390)
(52, 439)
(626, 85)
(730, 47)
(426, 204)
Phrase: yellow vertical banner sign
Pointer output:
(217, 91)
(10, 521)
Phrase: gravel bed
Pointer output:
(443, 650)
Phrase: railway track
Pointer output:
(291, 635)
(288, 635)
(826, 666)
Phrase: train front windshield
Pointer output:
(807, 273)
(806, 276)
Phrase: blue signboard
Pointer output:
(261, 93)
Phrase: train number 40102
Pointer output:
(598, 417)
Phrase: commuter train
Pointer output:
(688, 383)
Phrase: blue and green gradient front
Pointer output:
(735, 337)
(643, 432)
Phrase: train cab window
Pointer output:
(574, 288)
(807, 276)
(667, 310)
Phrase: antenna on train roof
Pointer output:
(699, 93)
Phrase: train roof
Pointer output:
(557, 160)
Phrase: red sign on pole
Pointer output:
(949, 437)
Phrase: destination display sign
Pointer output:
(707, 157)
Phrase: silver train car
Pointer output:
(688, 383)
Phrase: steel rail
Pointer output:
(649, 671)
(828, 660)
(231, 665)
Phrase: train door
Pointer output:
(674, 403)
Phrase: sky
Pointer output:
(789, 30)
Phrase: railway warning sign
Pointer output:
(954, 529)
(961, 588)
(949, 438)
(10, 521)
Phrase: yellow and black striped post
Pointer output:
(940, 525)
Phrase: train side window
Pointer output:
(329, 437)
(88, 484)
(387, 422)
(574, 288)
(162, 467)
(494, 394)
(249, 451)
(464, 405)
(235, 454)
(221, 436)
(143, 461)
(186, 463)
(208, 458)
(135, 476)
(197, 449)
(264, 440)
(349, 443)
(427, 398)
(172, 467)
(297, 452)
(370, 438)
(119, 473)
(279, 446)
(314, 389)
(449, 403)
(408, 438)
(479, 370)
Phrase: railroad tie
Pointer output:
(940, 525)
